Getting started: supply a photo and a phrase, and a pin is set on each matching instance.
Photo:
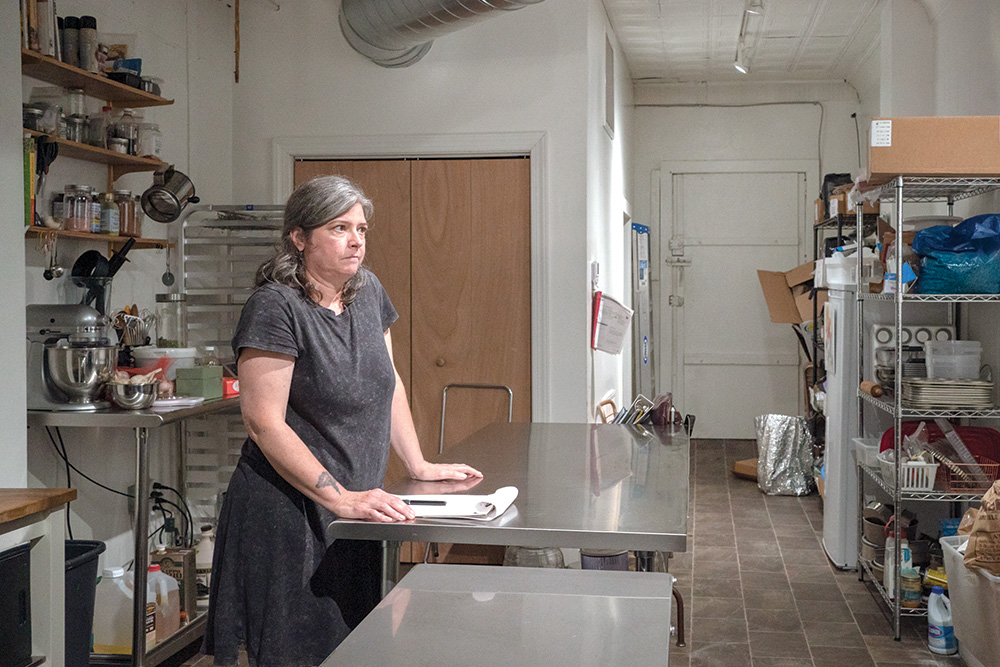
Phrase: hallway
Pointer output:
(759, 589)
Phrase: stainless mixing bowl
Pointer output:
(80, 372)
(133, 396)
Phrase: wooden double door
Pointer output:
(450, 241)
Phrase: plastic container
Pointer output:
(71, 41)
(866, 451)
(940, 632)
(113, 613)
(913, 475)
(81, 592)
(203, 561)
(889, 580)
(953, 358)
(88, 44)
(975, 597)
(172, 358)
(168, 602)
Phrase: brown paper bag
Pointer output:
(968, 520)
(984, 540)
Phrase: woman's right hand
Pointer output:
(372, 505)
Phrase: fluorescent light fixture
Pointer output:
(740, 63)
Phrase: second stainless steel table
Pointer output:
(594, 486)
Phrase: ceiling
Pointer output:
(692, 41)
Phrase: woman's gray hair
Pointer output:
(312, 205)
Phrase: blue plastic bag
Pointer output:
(964, 259)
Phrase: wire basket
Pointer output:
(961, 478)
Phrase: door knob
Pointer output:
(439, 362)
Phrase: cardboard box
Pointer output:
(179, 564)
(747, 469)
(788, 294)
(820, 210)
(933, 146)
(200, 381)
(838, 205)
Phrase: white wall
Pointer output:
(609, 193)
(13, 471)
(738, 122)
(518, 72)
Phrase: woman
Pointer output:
(322, 402)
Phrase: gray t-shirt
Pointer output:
(340, 398)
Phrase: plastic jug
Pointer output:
(113, 613)
(165, 590)
(906, 562)
(940, 632)
(203, 561)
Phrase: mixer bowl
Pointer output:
(80, 372)
(134, 396)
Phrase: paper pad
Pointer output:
(461, 506)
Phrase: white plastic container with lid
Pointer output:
(172, 358)
(203, 561)
(168, 602)
(113, 613)
(953, 358)
(975, 597)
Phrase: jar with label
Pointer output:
(171, 320)
(76, 205)
(126, 213)
(75, 128)
(150, 141)
(95, 212)
(97, 127)
(58, 209)
(109, 214)
(910, 585)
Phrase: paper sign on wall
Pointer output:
(611, 322)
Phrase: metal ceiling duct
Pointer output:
(397, 33)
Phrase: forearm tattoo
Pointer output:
(326, 479)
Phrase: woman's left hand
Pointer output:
(433, 472)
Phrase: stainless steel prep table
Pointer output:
(596, 486)
(141, 421)
(452, 615)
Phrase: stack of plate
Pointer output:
(914, 368)
(945, 393)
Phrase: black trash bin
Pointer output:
(81, 589)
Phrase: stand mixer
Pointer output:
(69, 358)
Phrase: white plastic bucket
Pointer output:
(975, 606)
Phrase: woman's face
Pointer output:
(334, 252)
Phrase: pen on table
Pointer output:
(415, 501)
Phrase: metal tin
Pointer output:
(910, 587)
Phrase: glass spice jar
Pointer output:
(126, 213)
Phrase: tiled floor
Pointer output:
(759, 589)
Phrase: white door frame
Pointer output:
(669, 369)
(285, 150)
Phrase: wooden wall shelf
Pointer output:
(119, 163)
(113, 241)
(116, 94)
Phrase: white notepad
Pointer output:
(463, 506)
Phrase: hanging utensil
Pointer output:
(54, 270)
(167, 278)
(170, 193)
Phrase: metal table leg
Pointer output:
(390, 566)
(141, 561)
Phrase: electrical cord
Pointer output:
(69, 484)
(65, 458)
(187, 509)
(185, 530)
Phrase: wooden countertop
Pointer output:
(18, 503)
